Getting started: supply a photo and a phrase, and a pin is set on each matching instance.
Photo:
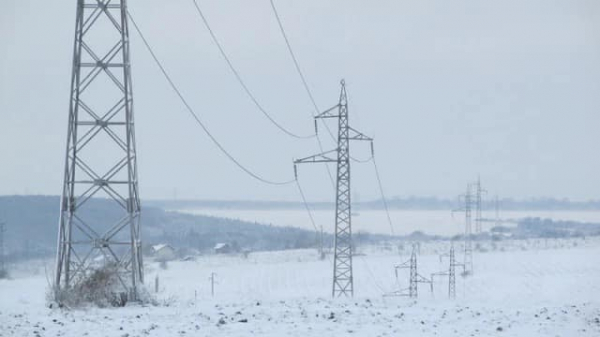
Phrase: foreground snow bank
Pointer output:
(529, 291)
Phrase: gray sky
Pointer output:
(449, 89)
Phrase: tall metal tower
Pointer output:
(478, 205)
(468, 258)
(412, 286)
(452, 274)
(343, 283)
(100, 154)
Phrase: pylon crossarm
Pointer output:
(323, 157)
(404, 265)
(422, 279)
(357, 135)
(328, 113)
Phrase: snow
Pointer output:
(220, 246)
(159, 247)
(520, 288)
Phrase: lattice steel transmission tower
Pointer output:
(343, 282)
(412, 284)
(468, 258)
(452, 274)
(479, 191)
(100, 154)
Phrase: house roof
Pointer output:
(221, 245)
(161, 246)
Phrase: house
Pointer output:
(163, 252)
(223, 248)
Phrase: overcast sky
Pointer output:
(507, 89)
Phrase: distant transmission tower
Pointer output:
(343, 283)
(414, 277)
(479, 191)
(452, 274)
(100, 153)
(412, 285)
(468, 258)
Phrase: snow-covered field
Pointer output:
(432, 222)
(534, 288)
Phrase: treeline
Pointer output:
(398, 203)
(32, 227)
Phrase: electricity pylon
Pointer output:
(100, 154)
(414, 277)
(452, 274)
(479, 191)
(467, 198)
(412, 285)
(343, 282)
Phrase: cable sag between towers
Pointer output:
(241, 80)
(197, 118)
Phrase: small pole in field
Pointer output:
(212, 284)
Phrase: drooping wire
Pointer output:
(197, 118)
(305, 84)
(310, 215)
(289, 47)
(373, 277)
(361, 161)
(383, 198)
(241, 81)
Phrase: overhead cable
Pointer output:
(241, 81)
(197, 118)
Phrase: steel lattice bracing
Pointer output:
(412, 286)
(342, 268)
(468, 258)
(343, 282)
(452, 274)
(479, 191)
(100, 155)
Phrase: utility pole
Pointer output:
(343, 283)
(101, 159)
(212, 284)
(321, 244)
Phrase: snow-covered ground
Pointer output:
(535, 288)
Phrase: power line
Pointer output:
(361, 161)
(197, 118)
(312, 220)
(385, 204)
(305, 84)
(289, 47)
(297, 66)
(241, 81)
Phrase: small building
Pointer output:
(163, 252)
(223, 248)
